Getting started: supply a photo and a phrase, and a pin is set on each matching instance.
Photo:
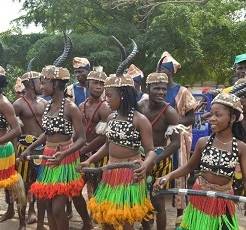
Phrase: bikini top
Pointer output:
(3, 122)
(217, 161)
(123, 132)
(56, 124)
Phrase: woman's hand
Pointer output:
(161, 182)
(83, 165)
(56, 159)
(140, 173)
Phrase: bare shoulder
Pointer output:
(201, 143)
(140, 119)
(70, 105)
(142, 104)
(18, 102)
(5, 105)
(241, 147)
(171, 113)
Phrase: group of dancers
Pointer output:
(105, 121)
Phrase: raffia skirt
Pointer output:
(59, 180)
(118, 200)
(203, 213)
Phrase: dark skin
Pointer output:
(7, 135)
(31, 127)
(120, 153)
(81, 75)
(88, 111)
(151, 108)
(23, 111)
(221, 123)
(57, 216)
(94, 141)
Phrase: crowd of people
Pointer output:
(103, 121)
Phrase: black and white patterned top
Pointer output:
(56, 124)
(219, 161)
(123, 132)
(3, 122)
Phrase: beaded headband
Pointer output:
(79, 62)
(119, 79)
(30, 75)
(55, 73)
(229, 100)
(156, 78)
(98, 76)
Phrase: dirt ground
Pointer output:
(76, 223)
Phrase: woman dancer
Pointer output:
(58, 179)
(216, 158)
(121, 197)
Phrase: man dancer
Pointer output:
(29, 108)
(182, 100)
(164, 120)
(78, 91)
(94, 110)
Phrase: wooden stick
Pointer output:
(90, 170)
(201, 193)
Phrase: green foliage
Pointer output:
(12, 73)
(203, 38)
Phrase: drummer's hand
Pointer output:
(56, 159)
(161, 182)
(140, 172)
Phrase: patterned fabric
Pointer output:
(60, 180)
(123, 132)
(184, 102)
(25, 168)
(217, 161)
(56, 124)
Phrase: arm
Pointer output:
(172, 118)
(188, 119)
(242, 158)
(97, 142)
(145, 128)
(76, 119)
(192, 163)
(8, 111)
(103, 151)
(41, 140)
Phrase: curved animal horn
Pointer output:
(29, 66)
(122, 48)
(128, 60)
(66, 51)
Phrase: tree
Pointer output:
(200, 36)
